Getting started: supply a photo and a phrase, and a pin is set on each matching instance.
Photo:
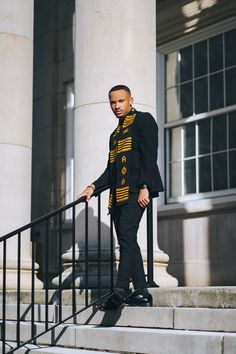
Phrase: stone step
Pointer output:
(37, 349)
(136, 340)
(156, 341)
(201, 319)
(53, 296)
(210, 297)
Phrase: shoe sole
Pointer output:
(101, 308)
(139, 305)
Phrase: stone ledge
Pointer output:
(138, 340)
(31, 348)
(209, 297)
(197, 207)
(150, 340)
(200, 319)
(203, 297)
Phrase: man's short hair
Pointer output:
(119, 87)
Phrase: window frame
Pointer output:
(165, 127)
(69, 147)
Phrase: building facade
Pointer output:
(179, 59)
(196, 81)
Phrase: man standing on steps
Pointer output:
(133, 177)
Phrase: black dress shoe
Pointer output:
(139, 299)
(113, 302)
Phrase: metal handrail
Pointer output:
(51, 214)
(45, 220)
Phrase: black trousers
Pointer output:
(126, 220)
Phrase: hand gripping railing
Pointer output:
(54, 220)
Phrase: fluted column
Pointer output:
(16, 81)
(115, 43)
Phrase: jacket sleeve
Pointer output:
(103, 180)
(148, 144)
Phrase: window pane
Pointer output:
(219, 133)
(189, 140)
(186, 99)
(216, 53)
(175, 179)
(172, 104)
(232, 169)
(201, 95)
(190, 176)
(216, 91)
(230, 79)
(175, 144)
(200, 79)
(204, 130)
(230, 48)
(186, 66)
(204, 174)
(232, 130)
(172, 69)
(200, 58)
(220, 171)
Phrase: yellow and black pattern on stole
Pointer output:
(128, 120)
(110, 201)
(122, 194)
(116, 131)
(124, 145)
(112, 156)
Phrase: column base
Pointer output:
(161, 276)
(25, 280)
(160, 264)
(91, 281)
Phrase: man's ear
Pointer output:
(131, 100)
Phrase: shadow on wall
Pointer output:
(201, 247)
(170, 240)
(222, 245)
(65, 254)
(92, 255)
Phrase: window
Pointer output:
(200, 118)
(69, 196)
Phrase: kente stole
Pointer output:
(119, 160)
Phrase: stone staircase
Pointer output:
(182, 320)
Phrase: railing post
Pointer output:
(60, 268)
(73, 265)
(46, 273)
(18, 288)
(99, 245)
(32, 282)
(150, 281)
(86, 254)
(112, 252)
(4, 297)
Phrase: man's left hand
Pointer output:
(143, 197)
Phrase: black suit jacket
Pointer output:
(143, 162)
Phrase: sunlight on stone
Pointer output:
(196, 252)
(195, 7)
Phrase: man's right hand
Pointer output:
(88, 192)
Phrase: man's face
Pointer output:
(120, 102)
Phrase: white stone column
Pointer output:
(115, 43)
(16, 82)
